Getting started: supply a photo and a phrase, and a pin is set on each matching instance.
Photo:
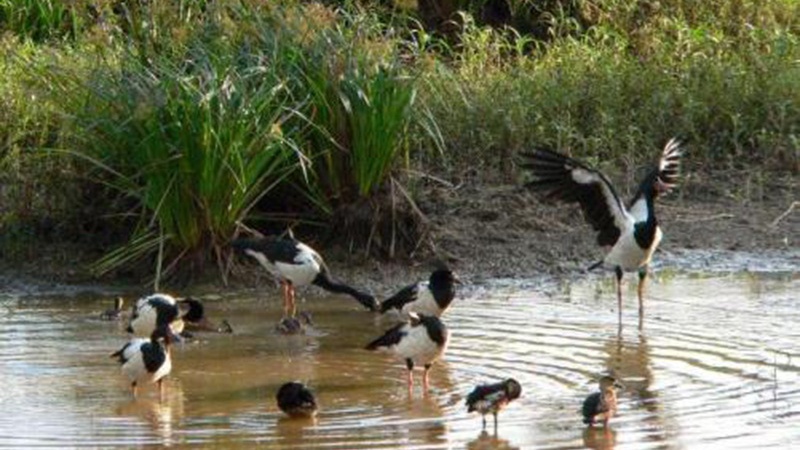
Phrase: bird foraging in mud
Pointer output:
(296, 400)
(492, 398)
(631, 234)
(295, 264)
(432, 297)
(153, 311)
(420, 341)
(147, 360)
(601, 406)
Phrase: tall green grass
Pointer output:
(191, 146)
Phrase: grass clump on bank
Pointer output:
(170, 129)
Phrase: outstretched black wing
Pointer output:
(391, 337)
(565, 179)
(406, 295)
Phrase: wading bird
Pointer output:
(601, 406)
(431, 297)
(295, 264)
(296, 400)
(147, 360)
(631, 234)
(153, 311)
(419, 342)
(492, 398)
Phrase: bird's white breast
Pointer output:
(419, 347)
(627, 254)
(423, 304)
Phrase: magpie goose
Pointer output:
(601, 405)
(419, 342)
(295, 264)
(147, 360)
(631, 234)
(114, 313)
(296, 400)
(491, 398)
(153, 311)
(431, 297)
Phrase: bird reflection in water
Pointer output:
(487, 441)
(599, 438)
(161, 415)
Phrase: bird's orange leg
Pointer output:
(425, 384)
(618, 272)
(640, 290)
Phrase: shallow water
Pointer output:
(717, 364)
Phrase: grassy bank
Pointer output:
(153, 132)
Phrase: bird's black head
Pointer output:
(513, 388)
(443, 279)
(191, 310)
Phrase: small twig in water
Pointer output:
(785, 214)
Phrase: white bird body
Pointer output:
(134, 366)
(146, 313)
(423, 304)
(417, 346)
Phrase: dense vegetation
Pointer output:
(153, 130)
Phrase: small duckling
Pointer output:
(114, 313)
(296, 400)
(295, 325)
(602, 405)
(492, 398)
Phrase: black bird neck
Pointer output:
(442, 287)
(645, 232)
(325, 281)
(443, 295)
(435, 328)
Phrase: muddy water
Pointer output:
(717, 364)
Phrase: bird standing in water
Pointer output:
(431, 297)
(601, 406)
(419, 342)
(147, 360)
(492, 398)
(296, 400)
(631, 234)
(295, 264)
(153, 311)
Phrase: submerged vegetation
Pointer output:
(153, 130)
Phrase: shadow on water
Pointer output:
(715, 365)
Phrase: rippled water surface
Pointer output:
(717, 364)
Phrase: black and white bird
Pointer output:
(631, 234)
(491, 398)
(296, 400)
(147, 360)
(419, 342)
(295, 264)
(431, 298)
(601, 406)
(114, 313)
(156, 310)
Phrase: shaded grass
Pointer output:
(279, 113)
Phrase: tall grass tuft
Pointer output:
(191, 146)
